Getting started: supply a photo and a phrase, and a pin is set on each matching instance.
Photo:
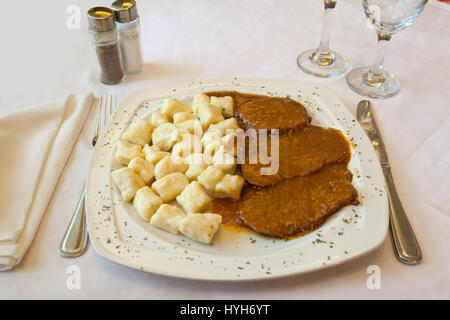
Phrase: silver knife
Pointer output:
(407, 248)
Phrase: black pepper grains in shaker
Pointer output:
(104, 36)
(111, 71)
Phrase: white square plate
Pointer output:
(119, 235)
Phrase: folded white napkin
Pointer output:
(35, 144)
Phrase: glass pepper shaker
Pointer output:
(103, 30)
(128, 26)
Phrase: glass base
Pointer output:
(111, 83)
(133, 73)
(386, 88)
(308, 65)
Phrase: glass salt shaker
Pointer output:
(103, 30)
(128, 26)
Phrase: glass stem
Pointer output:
(374, 77)
(323, 55)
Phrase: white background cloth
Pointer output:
(41, 59)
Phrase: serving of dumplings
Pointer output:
(175, 164)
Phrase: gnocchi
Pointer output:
(210, 177)
(167, 218)
(193, 198)
(211, 144)
(200, 226)
(170, 186)
(200, 100)
(225, 104)
(146, 202)
(229, 144)
(153, 154)
(211, 136)
(196, 166)
(158, 119)
(188, 145)
(165, 136)
(225, 162)
(229, 186)
(168, 165)
(209, 115)
(143, 168)
(193, 126)
(127, 151)
(128, 182)
(184, 116)
(171, 106)
(226, 126)
(139, 133)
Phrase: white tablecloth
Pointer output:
(41, 59)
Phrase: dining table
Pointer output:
(49, 55)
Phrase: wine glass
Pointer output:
(321, 62)
(388, 17)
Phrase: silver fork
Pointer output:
(74, 241)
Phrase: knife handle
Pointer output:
(405, 242)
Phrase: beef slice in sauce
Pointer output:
(301, 153)
(262, 112)
(272, 113)
(297, 205)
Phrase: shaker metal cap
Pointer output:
(125, 10)
(101, 19)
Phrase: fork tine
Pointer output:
(104, 113)
(97, 122)
(99, 115)
(110, 107)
